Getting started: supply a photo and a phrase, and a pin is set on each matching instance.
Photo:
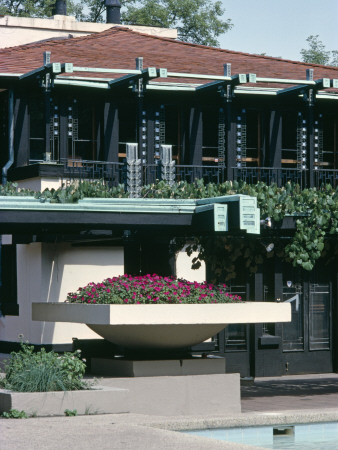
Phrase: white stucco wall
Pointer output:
(184, 270)
(39, 184)
(22, 30)
(46, 273)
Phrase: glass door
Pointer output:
(307, 339)
(293, 332)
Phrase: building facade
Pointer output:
(69, 108)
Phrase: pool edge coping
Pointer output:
(249, 419)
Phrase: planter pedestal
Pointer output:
(122, 367)
(214, 394)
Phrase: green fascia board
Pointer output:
(33, 73)
(240, 209)
(37, 205)
(17, 199)
(138, 201)
(226, 199)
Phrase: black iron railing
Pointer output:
(112, 172)
(210, 174)
(270, 175)
(116, 173)
(326, 176)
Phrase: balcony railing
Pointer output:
(210, 174)
(116, 173)
(326, 176)
(270, 175)
(113, 172)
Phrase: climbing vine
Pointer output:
(314, 210)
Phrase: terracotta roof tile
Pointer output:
(118, 47)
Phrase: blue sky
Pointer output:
(280, 27)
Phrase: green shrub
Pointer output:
(29, 371)
(14, 414)
(70, 412)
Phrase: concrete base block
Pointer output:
(191, 394)
(121, 367)
(99, 400)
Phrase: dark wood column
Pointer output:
(183, 117)
(195, 136)
(110, 132)
(21, 129)
(273, 156)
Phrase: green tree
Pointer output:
(197, 21)
(27, 8)
(316, 53)
(38, 8)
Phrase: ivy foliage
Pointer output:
(315, 211)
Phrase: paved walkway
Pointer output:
(297, 392)
(285, 400)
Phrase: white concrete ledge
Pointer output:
(161, 326)
(99, 400)
(177, 314)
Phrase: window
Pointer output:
(319, 317)
(289, 139)
(82, 130)
(210, 136)
(127, 127)
(172, 130)
(249, 138)
(37, 146)
(253, 139)
(327, 141)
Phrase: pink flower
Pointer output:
(154, 289)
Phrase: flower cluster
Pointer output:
(150, 289)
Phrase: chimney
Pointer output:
(113, 11)
(60, 8)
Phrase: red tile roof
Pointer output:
(118, 47)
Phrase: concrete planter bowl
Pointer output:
(161, 326)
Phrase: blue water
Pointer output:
(318, 436)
